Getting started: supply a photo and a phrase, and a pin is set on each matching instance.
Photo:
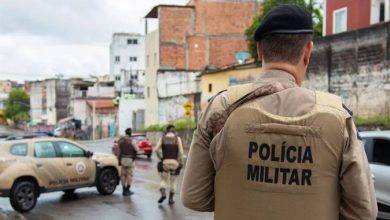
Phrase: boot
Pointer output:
(163, 195)
(129, 191)
(124, 190)
(171, 201)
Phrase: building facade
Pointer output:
(127, 63)
(215, 81)
(202, 34)
(5, 88)
(348, 15)
(49, 101)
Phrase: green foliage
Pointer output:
(309, 5)
(377, 121)
(17, 106)
(180, 124)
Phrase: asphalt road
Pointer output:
(89, 204)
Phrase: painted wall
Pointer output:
(222, 80)
(152, 64)
(119, 47)
(358, 13)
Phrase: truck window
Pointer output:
(19, 149)
(381, 151)
(44, 149)
(70, 150)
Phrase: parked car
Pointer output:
(35, 165)
(144, 145)
(377, 147)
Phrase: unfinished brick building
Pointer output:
(202, 34)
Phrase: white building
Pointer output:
(48, 101)
(127, 63)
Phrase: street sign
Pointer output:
(188, 106)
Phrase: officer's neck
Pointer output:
(286, 67)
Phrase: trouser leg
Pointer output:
(172, 183)
(163, 185)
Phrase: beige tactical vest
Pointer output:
(277, 167)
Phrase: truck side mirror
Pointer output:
(89, 153)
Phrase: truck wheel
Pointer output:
(149, 156)
(107, 181)
(23, 196)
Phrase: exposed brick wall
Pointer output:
(196, 52)
(210, 33)
(172, 56)
(175, 23)
(223, 49)
(357, 66)
(228, 17)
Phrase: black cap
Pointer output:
(285, 19)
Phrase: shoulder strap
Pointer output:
(330, 100)
(234, 93)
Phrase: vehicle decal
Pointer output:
(80, 167)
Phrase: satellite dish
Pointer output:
(241, 56)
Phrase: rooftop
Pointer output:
(250, 64)
(102, 103)
(153, 13)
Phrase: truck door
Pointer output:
(49, 165)
(80, 169)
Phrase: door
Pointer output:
(380, 167)
(80, 169)
(49, 165)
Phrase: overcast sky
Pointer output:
(41, 38)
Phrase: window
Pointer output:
(117, 78)
(340, 20)
(148, 92)
(70, 150)
(147, 60)
(382, 151)
(132, 41)
(133, 59)
(44, 149)
(117, 59)
(382, 12)
(155, 58)
(210, 87)
(19, 149)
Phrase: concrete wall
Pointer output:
(175, 88)
(126, 110)
(152, 57)
(174, 83)
(356, 66)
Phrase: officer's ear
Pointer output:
(259, 51)
(307, 52)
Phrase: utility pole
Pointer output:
(93, 120)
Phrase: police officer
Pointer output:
(169, 150)
(274, 150)
(127, 152)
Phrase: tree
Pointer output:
(309, 5)
(17, 106)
